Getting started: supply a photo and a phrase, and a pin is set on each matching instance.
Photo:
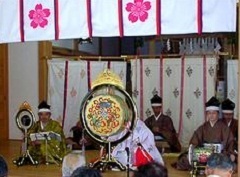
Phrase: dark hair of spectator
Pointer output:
(150, 170)
(3, 167)
(86, 172)
(220, 161)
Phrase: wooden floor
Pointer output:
(11, 149)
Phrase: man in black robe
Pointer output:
(162, 126)
(228, 118)
(213, 131)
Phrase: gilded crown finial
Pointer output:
(25, 105)
(108, 77)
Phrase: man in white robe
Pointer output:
(141, 136)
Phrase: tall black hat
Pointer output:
(156, 100)
(228, 106)
(212, 104)
(44, 107)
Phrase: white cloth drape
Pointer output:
(73, 16)
(25, 20)
(232, 83)
(185, 84)
(69, 82)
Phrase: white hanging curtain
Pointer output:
(232, 83)
(185, 84)
(146, 82)
(198, 86)
(69, 82)
(56, 80)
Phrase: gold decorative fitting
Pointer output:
(25, 105)
(108, 77)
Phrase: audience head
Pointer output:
(212, 109)
(3, 167)
(86, 172)
(219, 164)
(150, 170)
(156, 103)
(228, 109)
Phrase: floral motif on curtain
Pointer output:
(168, 71)
(147, 71)
(189, 71)
(176, 92)
(211, 71)
(189, 113)
(197, 93)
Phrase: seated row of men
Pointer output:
(156, 128)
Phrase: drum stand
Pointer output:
(107, 162)
(26, 157)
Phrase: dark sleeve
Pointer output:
(228, 139)
(148, 123)
(196, 139)
(168, 125)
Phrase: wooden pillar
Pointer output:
(4, 92)
(44, 50)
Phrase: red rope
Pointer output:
(21, 20)
(56, 19)
(120, 18)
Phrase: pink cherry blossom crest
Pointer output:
(138, 10)
(39, 16)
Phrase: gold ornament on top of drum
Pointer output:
(106, 115)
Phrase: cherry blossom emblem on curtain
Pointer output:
(39, 16)
(138, 10)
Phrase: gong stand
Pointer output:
(107, 162)
(108, 92)
(26, 157)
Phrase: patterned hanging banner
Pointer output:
(140, 17)
(35, 20)
(40, 20)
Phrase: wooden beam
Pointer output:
(67, 52)
(44, 49)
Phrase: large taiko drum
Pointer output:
(107, 115)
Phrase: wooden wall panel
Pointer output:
(44, 50)
(4, 92)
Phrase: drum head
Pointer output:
(190, 154)
(106, 115)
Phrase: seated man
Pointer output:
(219, 165)
(79, 138)
(140, 139)
(162, 125)
(55, 149)
(213, 131)
(228, 119)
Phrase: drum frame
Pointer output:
(107, 161)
